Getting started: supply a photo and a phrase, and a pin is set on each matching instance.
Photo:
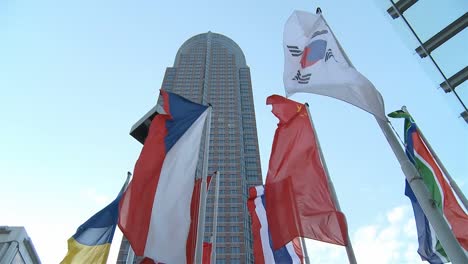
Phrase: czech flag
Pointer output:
(155, 209)
(91, 242)
(264, 253)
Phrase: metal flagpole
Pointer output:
(215, 218)
(130, 252)
(349, 247)
(201, 213)
(441, 227)
(452, 182)
(130, 255)
(304, 250)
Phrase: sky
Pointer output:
(76, 75)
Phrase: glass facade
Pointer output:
(211, 68)
(436, 31)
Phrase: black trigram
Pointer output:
(295, 51)
(329, 55)
(302, 79)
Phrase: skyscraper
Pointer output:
(211, 68)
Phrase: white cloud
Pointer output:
(389, 240)
(396, 214)
(410, 228)
(324, 253)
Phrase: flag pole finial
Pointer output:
(318, 11)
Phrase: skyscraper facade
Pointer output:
(211, 68)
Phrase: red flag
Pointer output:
(194, 208)
(207, 247)
(298, 199)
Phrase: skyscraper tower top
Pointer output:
(202, 39)
(211, 68)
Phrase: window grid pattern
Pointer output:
(211, 68)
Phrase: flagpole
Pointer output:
(215, 219)
(130, 252)
(203, 191)
(127, 182)
(304, 250)
(130, 255)
(348, 246)
(441, 227)
(452, 182)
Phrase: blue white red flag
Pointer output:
(155, 208)
(264, 253)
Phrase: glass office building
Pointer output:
(211, 68)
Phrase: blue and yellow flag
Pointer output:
(91, 242)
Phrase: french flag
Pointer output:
(154, 213)
(264, 253)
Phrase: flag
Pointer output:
(194, 213)
(264, 253)
(192, 236)
(296, 182)
(91, 242)
(155, 209)
(315, 63)
(207, 247)
(441, 192)
(429, 247)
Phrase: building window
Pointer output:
(18, 259)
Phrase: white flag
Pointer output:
(314, 63)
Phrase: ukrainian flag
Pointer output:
(91, 242)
